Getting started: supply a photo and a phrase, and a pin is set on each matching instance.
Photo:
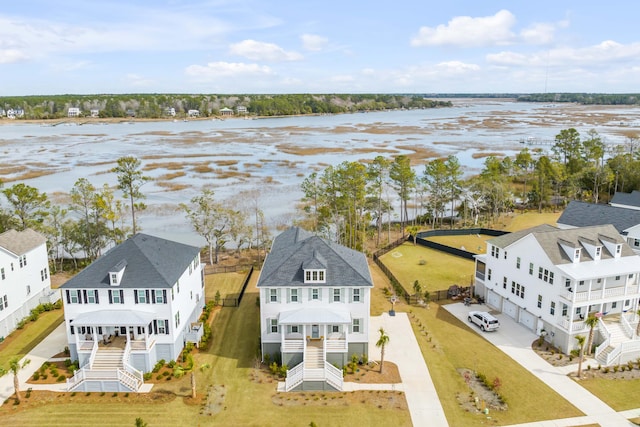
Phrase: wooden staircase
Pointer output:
(108, 359)
(313, 358)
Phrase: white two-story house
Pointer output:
(24, 277)
(137, 304)
(551, 279)
(314, 308)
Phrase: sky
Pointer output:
(308, 46)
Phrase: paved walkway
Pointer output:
(50, 346)
(403, 350)
(515, 341)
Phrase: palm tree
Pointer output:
(591, 321)
(193, 378)
(581, 340)
(14, 367)
(382, 342)
(638, 327)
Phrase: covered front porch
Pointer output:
(324, 328)
(113, 329)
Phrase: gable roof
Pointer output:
(628, 199)
(582, 214)
(550, 239)
(21, 242)
(151, 262)
(296, 249)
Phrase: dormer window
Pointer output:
(116, 273)
(598, 252)
(576, 254)
(314, 276)
(618, 250)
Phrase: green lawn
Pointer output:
(615, 393)
(21, 341)
(228, 284)
(438, 272)
(472, 242)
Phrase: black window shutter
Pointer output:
(97, 293)
(68, 297)
(166, 326)
(147, 294)
(121, 296)
(110, 297)
(164, 296)
(153, 296)
(135, 294)
(73, 332)
(84, 292)
(155, 327)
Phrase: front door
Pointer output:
(315, 331)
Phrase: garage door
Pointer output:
(493, 300)
(509, 309)
(527, 319)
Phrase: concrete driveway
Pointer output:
(515, 341)
(403, 350)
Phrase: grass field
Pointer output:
(615, 393)
(21, 341)
(228, 284)
(438, 272)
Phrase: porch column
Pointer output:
(604, 286)
(94, 333)
(346, 336)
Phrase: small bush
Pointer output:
(172, 364)
(61, 378)
(67, 362)
(616, 368)
(166, 373)
(147, 376)
(158, 377)
(36, 375)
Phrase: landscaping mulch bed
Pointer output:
(627, 371)
(480, 396)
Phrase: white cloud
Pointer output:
(604, 53)
(466, 31)
(260, 51)
(215, 70)
(10, 56)
(342, 79)
(539, 33)
(313, 42)
(457, 67)
(138, 81)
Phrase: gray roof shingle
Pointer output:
(151, 262)
(628, 199)
(21, 242)
(549, 238)
(582, 214)
(295, 248)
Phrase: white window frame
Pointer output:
(273, 295)
(74, 294)
(315, 294)
(338, 295)
(356, 297)
(356, 324)
(273, 326)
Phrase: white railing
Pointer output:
(336, 345)
(333, 376)
(626, 326)
(632, 289)
(77, 378)
(622, 348)
(577, 296)
(94, 351)
(85, 345)
(138, 375)
(614, 292)
(295, 376)
(131, 377)
(293, 345)
(575, 326)
(605, 332)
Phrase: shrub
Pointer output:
(283, 371)
(61, 378)
(273, 368)
(172, 363)
(36, 375)
(615, 368)
(166, 373)
(34, 316)
(45, 376)
(21, 324)
(216, 298)
(147, 376)
(158, 377)
(67, 362)
(159, 364)
(67, 351)
(365, 359)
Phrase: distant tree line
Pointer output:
(343, 201)
(154, 106)
(583, 98)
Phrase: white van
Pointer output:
(484, 320)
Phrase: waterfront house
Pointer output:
(314, 308)
(73, 112)
(137, 304)
(550, 279)
(24, 277)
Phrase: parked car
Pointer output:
(484, 320)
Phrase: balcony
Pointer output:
(575, 326)
(599, 294)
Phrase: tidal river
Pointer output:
(272, 156)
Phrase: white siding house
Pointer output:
(137, 304)
(73, 112)
(314, 308)
(24, 277)
(550, 279)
